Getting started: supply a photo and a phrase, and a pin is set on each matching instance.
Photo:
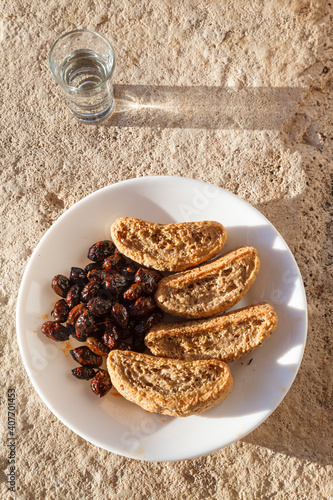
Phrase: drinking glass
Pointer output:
(82, 62)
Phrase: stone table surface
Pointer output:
(249, 93)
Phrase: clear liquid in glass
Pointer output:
(90, 95)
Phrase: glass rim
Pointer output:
(97, 85)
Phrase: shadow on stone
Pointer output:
(300, 426)
(255, 108)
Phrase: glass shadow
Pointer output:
(208, 107)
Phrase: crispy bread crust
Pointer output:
(210, 288)
(228, 337)
(168, 247)
(169, 386)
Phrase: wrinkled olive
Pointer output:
(83, 372)
(120, 314)
(85, 325)
(60, 311)
(133, 292)
(99, 330)
(71, 329)
(114, 285)
(142, 306)
(90, 290)
(93, 265)
(73, 296)
(99, 305)
(101, 383)
(97, 274)
(60, 285)
(148, 278)
(55, 331)
(112, 335)
(86, 357)
(100, 250)
(128, 271)
(75, 313)
(78, 276)
(97, 346)
(114, 262)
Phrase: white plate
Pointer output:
(112, 422)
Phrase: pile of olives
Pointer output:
(107, 305)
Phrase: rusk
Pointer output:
(168, 247)
(169, 386)
(210, 288)
(228, 337)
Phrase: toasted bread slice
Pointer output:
(227, 338)
(210, 288)
(168, 247)
(169, 386)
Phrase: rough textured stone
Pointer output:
(238, 94)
